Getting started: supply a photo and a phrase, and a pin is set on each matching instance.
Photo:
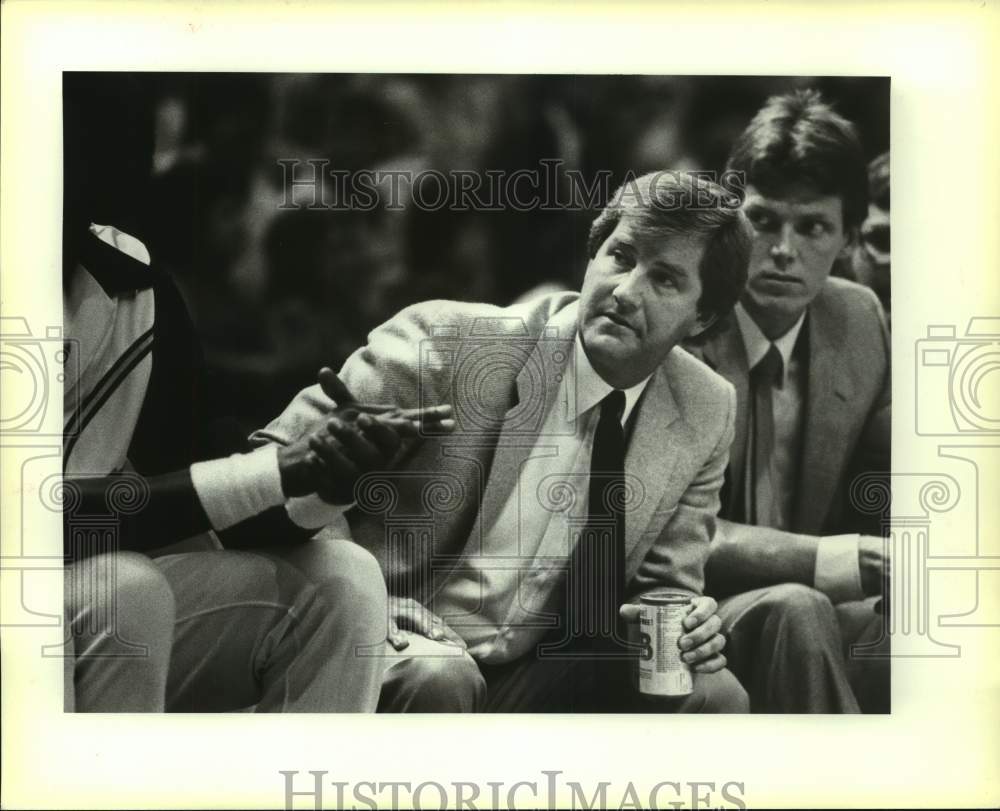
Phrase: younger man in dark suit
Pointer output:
(809, 358)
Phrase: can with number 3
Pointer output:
(661, 670)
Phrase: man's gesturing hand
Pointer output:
(702, 643)
(408, 421)
(354, 439)
(409, 615)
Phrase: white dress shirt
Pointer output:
(837, 571)
(503, 601)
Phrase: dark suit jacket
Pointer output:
(500, 368)
(846, 426)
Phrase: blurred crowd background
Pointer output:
(277, 293)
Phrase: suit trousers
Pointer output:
(791, 650)
(866, 641)
(432, 676)
(221, 631)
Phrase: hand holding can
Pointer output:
(662, 672)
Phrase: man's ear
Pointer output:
(702, 325)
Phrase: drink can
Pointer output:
(661, 670)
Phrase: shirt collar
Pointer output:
(591, 388)
(117, 261)
(757, 343)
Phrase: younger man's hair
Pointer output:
(798, 139)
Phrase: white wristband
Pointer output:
(838, 571)
(238, 487)
(311, 512)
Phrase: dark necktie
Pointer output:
(598, 567)
(761, 498)
(595, 583)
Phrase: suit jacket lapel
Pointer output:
(825, 425)
(535, 388)
(727, 356)
(653, 449)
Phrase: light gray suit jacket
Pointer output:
(500, 368)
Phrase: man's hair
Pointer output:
(798, 139)
(669, 203)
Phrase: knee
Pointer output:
(721, 692)
(335, 588)
(438, 683)
(144, 593)
(126, 592)
(451, 675)
(345, 578)
(805, 617)
(799, 601)
(351, 577)
(139, 585)
(351, 569)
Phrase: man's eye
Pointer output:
(761, 220)
(620, 257)
(812, 228)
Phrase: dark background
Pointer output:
(275, 293)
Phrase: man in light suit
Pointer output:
(809, 358)
(476, 531)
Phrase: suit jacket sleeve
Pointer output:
(385, 370)
(677, 558)
(401, 364)
(874, 447)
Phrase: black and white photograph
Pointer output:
(514, 393)
(438, 408)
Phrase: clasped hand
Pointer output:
(354, 438)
